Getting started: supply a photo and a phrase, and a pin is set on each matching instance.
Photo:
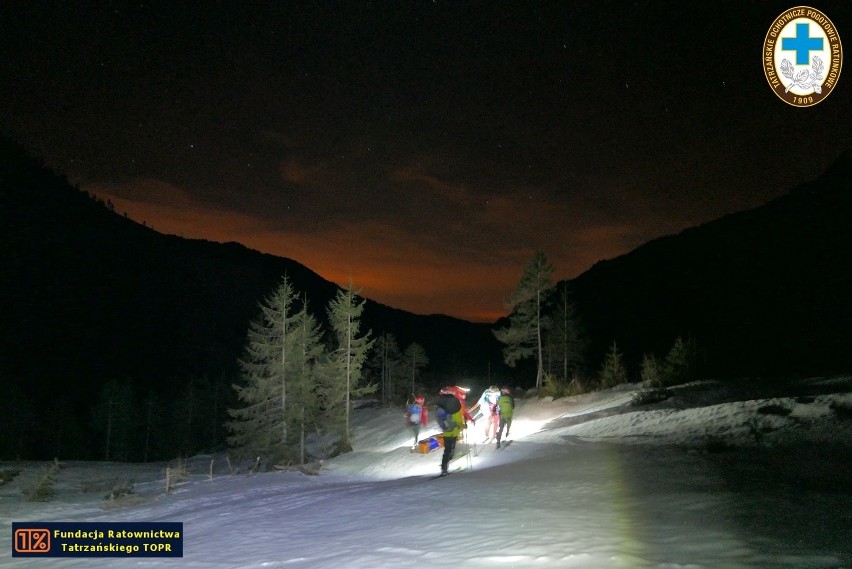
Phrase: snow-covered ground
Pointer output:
(715, 476)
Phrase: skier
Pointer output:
(416, 417)
(487, 405)
(452, 417)
(505, 408)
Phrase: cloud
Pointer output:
(413, 239)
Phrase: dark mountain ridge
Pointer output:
(763, 292)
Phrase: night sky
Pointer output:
(424, 149)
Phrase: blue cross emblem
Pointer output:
(802, 44)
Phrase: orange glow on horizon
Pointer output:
(425, 286)
(387, 264)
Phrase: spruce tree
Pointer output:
(115, 418)
(343, 369)
(415, 360)
(387, 363)
(651, 372)
(613, 372)
(523, 337)
(309, 336)
(679, 360)
(566, 340)
(192, 411)
(276, 377)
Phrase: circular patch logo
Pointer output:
(802, 56)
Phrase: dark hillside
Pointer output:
(764, 292)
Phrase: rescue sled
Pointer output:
(427, 445)
(434, 442)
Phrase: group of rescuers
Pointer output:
(496, 406)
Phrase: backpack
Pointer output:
(488, 402)
(449, 403)
(444, 419)
(506, 405)
(414, 413)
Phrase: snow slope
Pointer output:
(715, 476)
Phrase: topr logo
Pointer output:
(802, 56)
